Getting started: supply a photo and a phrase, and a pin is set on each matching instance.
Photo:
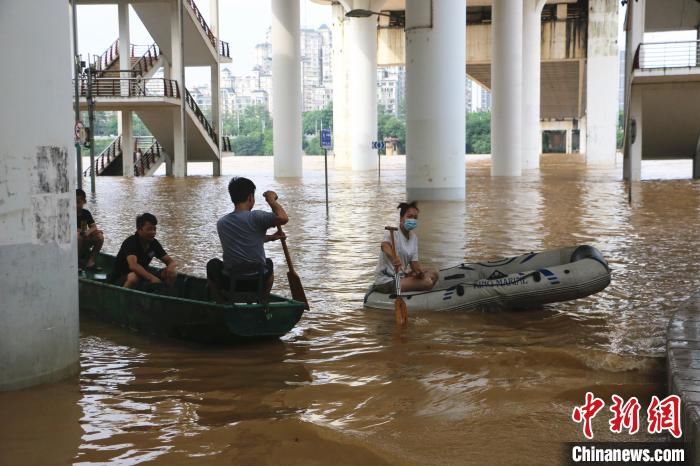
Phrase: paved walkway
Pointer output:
(683, 352)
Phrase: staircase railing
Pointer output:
(148, 58)
(203, 23)
(134, 87)
(226, 143)
(143, 162)
(200, 116)
(224, 49)
(106, 157)
(107, 58)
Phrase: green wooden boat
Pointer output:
(185, 311)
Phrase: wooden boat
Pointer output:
(184, 311)
(518, 282)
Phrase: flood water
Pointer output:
(345, 387)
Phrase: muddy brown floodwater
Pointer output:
(343, 387)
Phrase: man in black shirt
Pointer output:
(130, 267)
(90, 239)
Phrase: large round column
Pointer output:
(286, 88)
(341, 106)
(532, 33)
(506, 85)
(435, 113)
(362, 84)
(38, 256)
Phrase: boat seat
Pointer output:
(247, 282)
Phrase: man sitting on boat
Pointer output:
(242, 234)
(413, 277)
(90, 239)
(137, 251)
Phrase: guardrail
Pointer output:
(200, 116)
(144, 162)
(131, 87)
(202, 23)
(108, 57)
(667, 55)
(148, 57)
(106, 157)
(226, 144)
(224, 49)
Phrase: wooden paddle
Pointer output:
(400, 309)
(294, 281)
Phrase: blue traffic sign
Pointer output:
(326, 140)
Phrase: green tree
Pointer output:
(478, 133)
(620, 129)
(313, 146)
(388, 125)
(248, 144)
(314, 120)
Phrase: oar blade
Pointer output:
(297, 289)
(400, 311)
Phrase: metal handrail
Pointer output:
(108, 57)
(149, 57)
(226, 143)
(148, 159)
(200, 116)
(203, 23)
(106, 157)
(133, 87)
(224, 49)
(654, 55)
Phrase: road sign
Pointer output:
(378, 145)
(326, 140)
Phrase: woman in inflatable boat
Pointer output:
(413, 277)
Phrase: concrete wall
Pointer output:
(561, 40)
(38, 257)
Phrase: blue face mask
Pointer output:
(410, 224)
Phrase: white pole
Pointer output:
(286, 88)
(532, 33)
(506, 84)
(435, 113)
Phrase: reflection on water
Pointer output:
(344, 387)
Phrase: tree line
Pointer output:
(251, 130)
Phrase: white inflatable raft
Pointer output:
(525, 281)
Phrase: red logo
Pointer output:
(587, 412)
(662, 415)
(665, 415)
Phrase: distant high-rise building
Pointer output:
(391, 88)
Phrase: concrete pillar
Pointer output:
(532, 38)
(362, 83)
(341, 107)
(216, 113)
(602, 77)
(38, 255)
(634, 27)
(506, 85)
(286, 88)
(214, 17)
(632, 170)
(435, 113)
(696, 160)
(124, 47)
(125, 119)
(567, 138)
(178, 166)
